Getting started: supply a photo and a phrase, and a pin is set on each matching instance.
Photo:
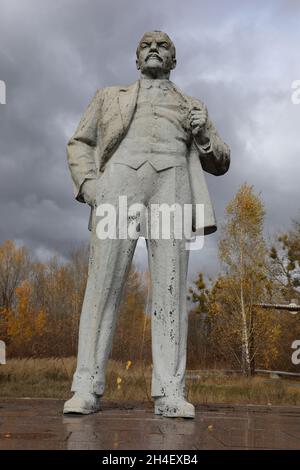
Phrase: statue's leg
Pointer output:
(109, 264)
(168, 263)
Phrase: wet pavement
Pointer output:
(39, 424)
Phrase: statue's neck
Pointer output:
(155, 75)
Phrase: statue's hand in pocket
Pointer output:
(89, 192)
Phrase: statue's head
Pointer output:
(155, 54)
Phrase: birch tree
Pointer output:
(243, 254)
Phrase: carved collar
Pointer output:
(163, 84)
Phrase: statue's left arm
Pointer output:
(214, 153)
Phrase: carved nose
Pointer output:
(153, 47)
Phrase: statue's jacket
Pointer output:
(103, 127)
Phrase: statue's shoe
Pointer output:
(174, 407)
(82, 404)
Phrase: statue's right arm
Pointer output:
(82, 147)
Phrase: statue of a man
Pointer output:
(150, 143)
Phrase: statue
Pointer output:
(151, 143)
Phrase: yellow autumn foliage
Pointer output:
(24, 322)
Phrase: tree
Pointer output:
(24, 323)
(285, 263)
(226, 328)
(58, 289)
(198, 295)
(285, 273)
(14, 268)
(235, 319)
(198, 334)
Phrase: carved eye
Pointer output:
(143, 45)
(165, 45)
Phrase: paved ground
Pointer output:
(39, 424)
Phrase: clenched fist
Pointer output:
(88, 191)
(197, 119)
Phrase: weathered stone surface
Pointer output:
(150, 143)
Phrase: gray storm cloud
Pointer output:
(240, 59)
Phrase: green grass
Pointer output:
(51, 378)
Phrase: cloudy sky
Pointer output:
(239, 57)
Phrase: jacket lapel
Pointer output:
(115, 120)
(127, 102)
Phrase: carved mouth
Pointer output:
(154, 56)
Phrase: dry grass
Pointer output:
(51, 378)
(237, 389)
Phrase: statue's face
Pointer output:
(155, 53)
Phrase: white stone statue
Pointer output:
(150, 143)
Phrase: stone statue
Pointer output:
(151, 143)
